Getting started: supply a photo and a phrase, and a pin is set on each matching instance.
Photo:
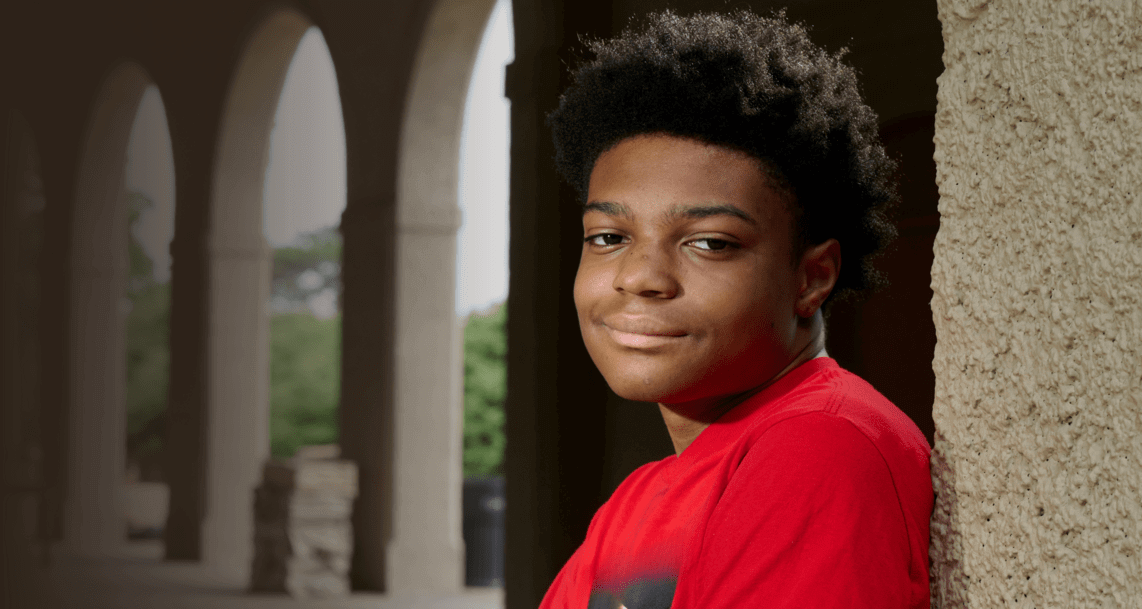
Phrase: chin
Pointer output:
(679, 384)
(649, 389)
(635, 393)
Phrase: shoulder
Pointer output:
(819, 450)
(824, 500)
(836, 439)
(840, 443)
(820, 475)
(836, 413)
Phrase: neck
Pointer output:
(685, 422)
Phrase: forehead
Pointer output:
(662, 174)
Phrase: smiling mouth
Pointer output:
(643, 340)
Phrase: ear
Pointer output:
(817, 274)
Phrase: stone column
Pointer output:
(427, 551)
(218, 413)
(238, 400)
(185, 437)
(366, 413)
(1038, 305)
(95, 501)
(96, 504)
(238, 280)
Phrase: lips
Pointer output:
(641, 332)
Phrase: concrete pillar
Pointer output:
(427, 550)
(373, 71)
(365, 413)
(237, 350)
(238, 413)
(185, 441)
(95, 502)
(184, 468)
(95, 508)
(1038, 305)
(228, 432)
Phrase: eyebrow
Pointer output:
(706, 211)
(690, 212)
(610, 209)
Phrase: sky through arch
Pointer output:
(150, 172)
(482, 252)
(305, 176)
(305, 187)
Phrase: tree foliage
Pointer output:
(485, 381)
(304, 381)
(306, 272)
(307, 252)
(141, 270)
(147, 344)
(148, 355)
(304, 359)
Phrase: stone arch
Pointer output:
(94, 496)
(427, 551)
(239, 269)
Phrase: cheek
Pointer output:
(758, 308)
(581, 293)
(591, 283)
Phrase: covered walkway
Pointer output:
(136, 577)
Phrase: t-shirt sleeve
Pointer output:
(810, 518)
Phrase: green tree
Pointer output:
(310, 250)
(305, 356)
(147, 344)
(311, 265)
(485, 381)
(140, 270)
(304, 360)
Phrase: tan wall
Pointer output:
(1038, 287)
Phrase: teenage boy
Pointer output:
(728, 167)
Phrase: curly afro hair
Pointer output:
(750, 83)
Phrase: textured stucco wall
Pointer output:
(1038, 305)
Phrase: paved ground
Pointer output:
(137, 579)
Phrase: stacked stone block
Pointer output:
(303, 536)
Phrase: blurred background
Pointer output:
(256, 260)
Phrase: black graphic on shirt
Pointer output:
(640, 594)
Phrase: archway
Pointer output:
(237, 440)
(426, 551)
(305, 193)
(149, 190)
(481, 294)
(95, 502)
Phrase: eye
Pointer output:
(604, 239)
(712, 245)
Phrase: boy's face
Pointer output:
(687, 289)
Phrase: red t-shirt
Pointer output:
(813, 493)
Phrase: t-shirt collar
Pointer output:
(732, 424)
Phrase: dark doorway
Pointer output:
(889, 339)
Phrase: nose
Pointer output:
(648, 272)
